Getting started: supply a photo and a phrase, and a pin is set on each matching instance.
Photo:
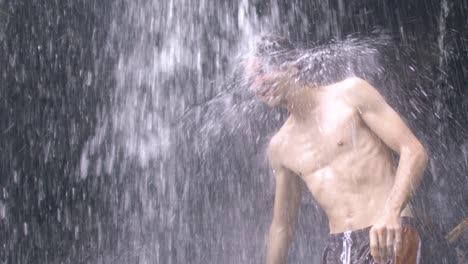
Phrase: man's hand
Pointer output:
(383, 234)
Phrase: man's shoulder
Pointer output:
(276, 145)
(357, 92)
(353, 86)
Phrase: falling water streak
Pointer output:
(440, 111)
(444, 11)
(145, 75)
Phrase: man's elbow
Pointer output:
(417, 155)
(420, 158)
(423, 156)
(416, 151)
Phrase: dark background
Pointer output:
(56, 75)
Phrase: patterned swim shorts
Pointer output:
(352, 247)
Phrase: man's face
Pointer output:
(269, 84)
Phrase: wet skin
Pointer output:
(338, 142)
(347, 168)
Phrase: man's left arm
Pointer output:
(392, 130)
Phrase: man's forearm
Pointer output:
(411, 166)
(279, 239)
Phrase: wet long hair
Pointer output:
(322, 64)
(275, 51)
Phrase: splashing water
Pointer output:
(329, 63)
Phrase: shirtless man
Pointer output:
(338, 140)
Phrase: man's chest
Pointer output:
(332, 135)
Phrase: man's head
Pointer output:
(271, 71)
(273, 47)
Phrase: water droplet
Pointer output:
(15, 177)
(77, 232)
(25, 228)
(2, 210)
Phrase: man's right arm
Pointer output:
(287, 197)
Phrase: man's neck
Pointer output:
(302, 103)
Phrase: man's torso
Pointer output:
(348, 169)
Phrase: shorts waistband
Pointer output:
(363, 234)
